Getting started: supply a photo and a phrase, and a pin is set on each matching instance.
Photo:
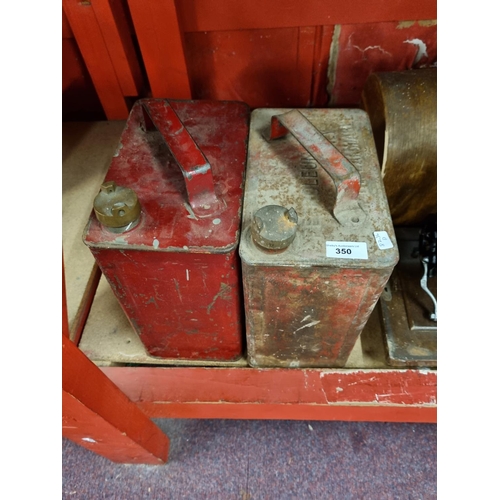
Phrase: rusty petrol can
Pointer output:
(318, 243)
(166, 225)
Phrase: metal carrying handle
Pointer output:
(346, 178)
(197, 172)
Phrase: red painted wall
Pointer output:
(267, 57)
(362, 49)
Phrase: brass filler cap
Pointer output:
(117, 207)
(274, 227)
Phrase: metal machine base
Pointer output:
(410, 335)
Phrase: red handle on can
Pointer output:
(345, 176)
(197, 172)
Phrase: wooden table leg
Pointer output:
(98, 416)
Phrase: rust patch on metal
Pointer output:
(304, 307)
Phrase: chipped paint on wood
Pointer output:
(362, 49)
(426, 24)
(331, 387)
(405, 24)
(408, 24)
(422, 49)
(332, 62)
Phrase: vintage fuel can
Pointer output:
(166, 225)
(318, 243)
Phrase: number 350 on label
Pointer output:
(346, 250)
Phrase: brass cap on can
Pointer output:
(117, 207)
(274, 227)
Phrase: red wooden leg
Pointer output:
(98, 416)
(162, 48)
(110, 16)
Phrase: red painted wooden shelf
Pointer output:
(227, 51)
(112, 387)
(366, 389)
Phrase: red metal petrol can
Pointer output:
(318, 243)
(166, 224)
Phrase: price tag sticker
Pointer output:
(383, 240)
(346, 250)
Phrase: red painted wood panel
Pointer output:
(233, 389)
(266, 54)
(110, 15)
(221, 15)
(368, 48)
(66, 28)
(161, 44)
(263, 411)
(323, 42)
(260, 67)
(97, 415)
(93, 48)
(284, 386)
(292, 67)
